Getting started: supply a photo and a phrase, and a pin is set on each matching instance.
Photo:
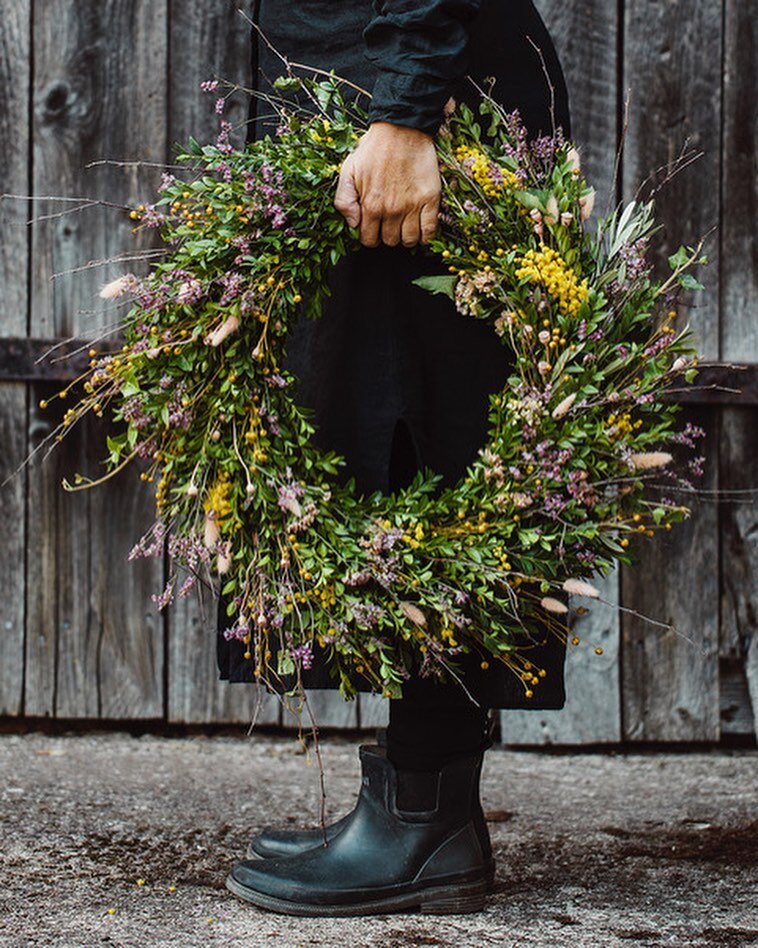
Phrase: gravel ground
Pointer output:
(109, 839)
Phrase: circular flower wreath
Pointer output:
(383, 583)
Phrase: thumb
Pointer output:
(346, 195)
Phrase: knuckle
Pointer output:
(372, 207)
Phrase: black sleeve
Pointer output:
(420, 48)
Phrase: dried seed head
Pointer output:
(650, 459)
(212, 533)
(578, 587)
(586, 203)
(553, 605)
(229, 325)
(413, 613)
(572, 158)
(563, 406)
(117, 287)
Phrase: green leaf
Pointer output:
(679, 259)
(438, 284)
(285, 665)
(114, 446)
(688, 281)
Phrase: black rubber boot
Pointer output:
(385, 859)
(277, 842)
(271, 843)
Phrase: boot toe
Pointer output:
(277, 883)
(271, 844)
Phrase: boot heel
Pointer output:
(455, 900)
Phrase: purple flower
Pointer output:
(303, 655)
(134, 412)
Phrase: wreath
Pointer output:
(576, 465)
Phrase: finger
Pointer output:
(391, 229)
(370, 225)
(346, 196)
(411, 230)
(429, 220)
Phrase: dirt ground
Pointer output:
(109, 839)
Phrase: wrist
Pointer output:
(406, 132)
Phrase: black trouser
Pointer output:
(434, 722)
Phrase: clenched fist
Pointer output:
(389, 186)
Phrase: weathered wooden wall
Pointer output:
(119, 80)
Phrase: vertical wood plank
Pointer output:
(672, 64)
(739, 266)
(196, 695)
(95, 643)
(739, 341)
(15, 79)
(592, 713)
(207, 40)
(585, 34)
(670, 677)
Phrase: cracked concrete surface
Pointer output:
(637, 849)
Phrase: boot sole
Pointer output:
(436, 900)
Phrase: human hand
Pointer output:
(389, 186)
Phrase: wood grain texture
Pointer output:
(592, 713)
(95, 643)
(739, 211)
(670, 676)
(195, 693)
(739, 340)
(739, 550)
(121, 80)
(373, 711)
(735, 704)
(15, 77)
(585, 33)
(672, 66)
(40, 360)
(207, 41)
(327, 707)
